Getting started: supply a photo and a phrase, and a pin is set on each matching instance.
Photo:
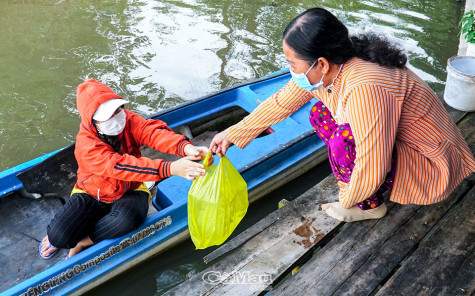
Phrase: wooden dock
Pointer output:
(413, 250)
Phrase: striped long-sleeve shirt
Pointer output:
(386, 109)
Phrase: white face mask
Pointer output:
(302, 81)
(114, 125)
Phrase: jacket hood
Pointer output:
(90, 95)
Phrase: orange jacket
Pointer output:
(107, 175)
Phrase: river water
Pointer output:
(158, 54)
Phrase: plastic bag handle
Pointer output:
(205, 161)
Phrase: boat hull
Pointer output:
(266, 163)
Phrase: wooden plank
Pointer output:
(280, 245)
(389, 256)
(345, 253)
(364, 254)
(315, 159)
(463, 279)
(270, 248)
(441, 265)
(249, 233)
(467, 128)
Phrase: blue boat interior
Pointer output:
(174, 190)
(275, 151)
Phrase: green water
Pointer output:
(158, 54)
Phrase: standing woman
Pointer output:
(384, 127)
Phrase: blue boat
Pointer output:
(35, 188)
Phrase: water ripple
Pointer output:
(162, 53)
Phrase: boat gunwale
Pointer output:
(176, 208)
(273, 75)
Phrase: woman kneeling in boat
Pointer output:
(110, 198)
(384, 127)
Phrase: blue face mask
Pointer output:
(302, 81)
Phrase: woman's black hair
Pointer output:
(113, 141)
(318, 33)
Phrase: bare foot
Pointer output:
(46, 248)
(81, 245)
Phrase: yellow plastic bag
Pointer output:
(217, 202)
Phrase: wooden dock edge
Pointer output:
(271, 248)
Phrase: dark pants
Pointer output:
(84, 216)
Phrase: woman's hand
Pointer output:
(201, 151)
(191, 150)
(220, 144)
(186, 167)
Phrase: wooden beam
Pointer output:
(269, 253)
(272, 247)
(359, 259)
(443, 263)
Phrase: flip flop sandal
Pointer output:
(50, 255)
